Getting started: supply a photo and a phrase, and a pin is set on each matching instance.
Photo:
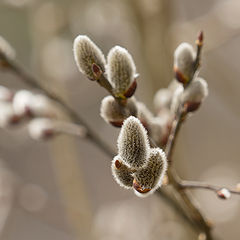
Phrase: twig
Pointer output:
(202, 185)
(194, 213)
(31, 81)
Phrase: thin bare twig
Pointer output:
(202, 185)
(31, 81)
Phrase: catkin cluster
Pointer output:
(41, 115)
(120, 73)
(137, 165)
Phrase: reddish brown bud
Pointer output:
(192, 106)
(138, 188)
(97, 72)
(131, 90)
(200, 38)
(117, 123)
(118, 164)
(224, 193)
(179, 76)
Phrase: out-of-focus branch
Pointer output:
(31, 81)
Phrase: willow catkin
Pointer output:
(149, 178)
(122, 173)
(133, 145)
(121, 70)
(87, 53)
(112, 112)
(184, 57)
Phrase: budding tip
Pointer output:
(97, 72)
(118, 164)
(200, 38)
(223, 193)
(138, 188)
(131, 90)
(179, 76)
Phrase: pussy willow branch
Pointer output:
(194, 213)
(31, 81)
(202, 185)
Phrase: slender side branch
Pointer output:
(174, 132)
(31, 81)
(202, 185)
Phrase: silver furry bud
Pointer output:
(162, 99)
(184, 57)
(121, 70)
(45, 128)
(7, 115)
(112, 112)
(195, 94)
(121, 173)
(38, 105)
(144, 114)
(6, 51)
(159, 127)
(176, 99)
(149, 178)
(88, 57)
(41, 128)
(6, 95)
(133, 145)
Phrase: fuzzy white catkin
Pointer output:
(173, 85)
(86, 52)
(122, 175)
(41, 128)
(144, 114)
(133, 145)
(112, 112)
(196, 92)
(184, 57)
(5, 94)
(6, 49)
(176, 99)
(42, 106)
(7, 115)
(121, 70)
(151, 175)
(21, 101)
(159, 128)
(162, 99)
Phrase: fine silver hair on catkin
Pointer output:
(184, 57)
(123, 174)
(162, 99)
(86, 53)
(151, 175)
(196, 92)
(121, 70)
(133, 145)
(112, 112)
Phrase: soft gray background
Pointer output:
(63, 189)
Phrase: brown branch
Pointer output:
(31, 81)
(193, 212)
(202, 185)
(195, 216)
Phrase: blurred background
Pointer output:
(63, 188)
